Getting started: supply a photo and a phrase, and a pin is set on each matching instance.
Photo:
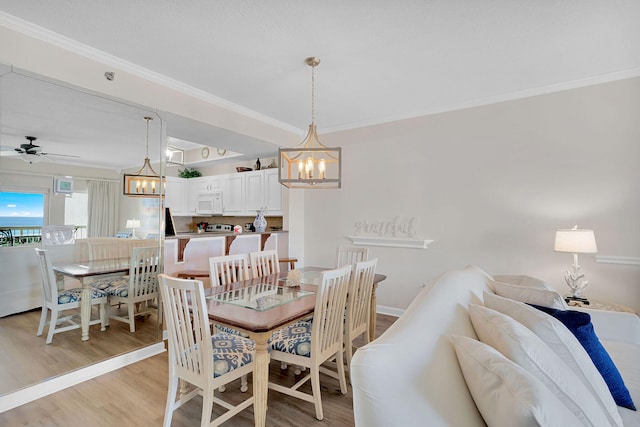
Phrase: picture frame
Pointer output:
(63, 185)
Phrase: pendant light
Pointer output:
(311, 164)
(145, 182)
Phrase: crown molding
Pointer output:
(50, 37)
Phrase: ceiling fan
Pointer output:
(30, 152)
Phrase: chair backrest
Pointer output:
(140, 243)
(224, 270)
(349, 255)
(188, 333)
(328, 317)
(107, 249)
(264, 263)
(49, 287)
(359, 298)
(143, 272)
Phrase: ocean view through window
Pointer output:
(21, 217)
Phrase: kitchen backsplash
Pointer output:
(188, 224)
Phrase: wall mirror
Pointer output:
(69, 122)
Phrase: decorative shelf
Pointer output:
(394, 242)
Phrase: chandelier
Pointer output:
(145, 182)
(310, 164)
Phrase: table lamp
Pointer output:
(575, 241)
(133, 224)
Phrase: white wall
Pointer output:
(490, 185)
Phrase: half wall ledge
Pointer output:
(393, 242)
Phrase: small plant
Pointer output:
(188, 173)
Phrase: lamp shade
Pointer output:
(133, 223)
(577, 241)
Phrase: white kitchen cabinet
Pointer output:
(272, 192)
(192, 196)
(233, 194)
(209, 184)
(176, 196)
(254, 192)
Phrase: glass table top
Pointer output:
(261, 296)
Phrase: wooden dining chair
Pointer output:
(311, 344)
(139, 289)
(103, 249)
(264, 263)
(349, 255)
(196, 356)
(58, 301)
(358, 305)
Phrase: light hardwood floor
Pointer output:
(136, 395)
(25, 359)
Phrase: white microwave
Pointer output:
(209, 204)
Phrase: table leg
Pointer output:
(85, 310)
(261, 378)
(372, 313)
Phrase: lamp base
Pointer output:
(579, 301)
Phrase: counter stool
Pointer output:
(291, 261)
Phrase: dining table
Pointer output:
(259, 307)
(87, 273)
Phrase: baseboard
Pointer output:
(389, 311)
(55, 384)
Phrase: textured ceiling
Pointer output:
(381, 60)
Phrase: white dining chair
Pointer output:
(349, 255)
(57, 301)
(226, 270)
(103, 249)
(264, 263)
(195, 356)
(358, 305)
(139, 289)
(311, 344)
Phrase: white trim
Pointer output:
(623, 260)
(511, 96)
(94, 54)
(55, 384)
(389, 311)
(395, 242)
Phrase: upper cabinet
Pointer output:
(247, 192)
(243, 194)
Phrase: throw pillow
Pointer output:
(506, 394)
(564, 344)
(528, 351)
(521, 280)
(530, 295)
(579, 323)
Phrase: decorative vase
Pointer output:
(260, 223)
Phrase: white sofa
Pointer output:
(410, 375)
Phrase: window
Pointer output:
(76, 212)
(21, 217)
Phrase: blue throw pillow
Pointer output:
(579, 323)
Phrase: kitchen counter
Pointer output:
(193, 234)
(222, 240)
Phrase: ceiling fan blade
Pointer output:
(58, 155)
(5, 150)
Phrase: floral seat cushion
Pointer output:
(105, 285)
(230, 352)
(72, 295)
(294, 339)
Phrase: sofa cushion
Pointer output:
(524, 348)
(563, 343)
(530, 295)
(505, 393)
(580, 325)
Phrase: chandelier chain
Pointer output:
(313, 94)
(147, 118)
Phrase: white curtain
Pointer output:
(104, 201)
